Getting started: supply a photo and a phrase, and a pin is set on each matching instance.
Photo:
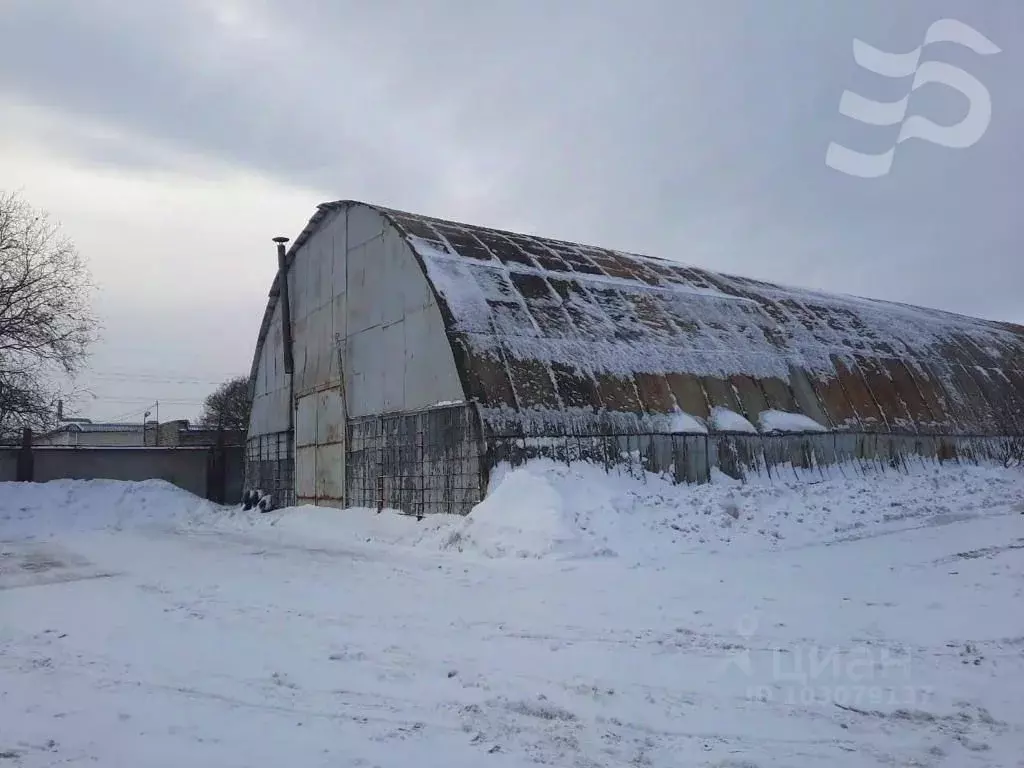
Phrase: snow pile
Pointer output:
(547, 509)
(783, 421)
(329, 526)
(724, 420)
(46, 509)
(524, 515)
(682, 422)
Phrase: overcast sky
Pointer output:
(174, 139)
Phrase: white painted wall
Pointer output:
(357, 280)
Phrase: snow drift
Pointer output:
(546, 509)
(44, 509)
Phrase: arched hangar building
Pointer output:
(401, 357)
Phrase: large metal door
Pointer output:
(330, 448)
(320, 448)
(305, 449)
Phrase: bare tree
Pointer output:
(46, 321)
(228, 406)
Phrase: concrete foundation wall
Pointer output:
(187, 468)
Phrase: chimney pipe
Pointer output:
(286, 312)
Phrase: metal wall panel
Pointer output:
(330, 448)
(305, 421)
(359, 298)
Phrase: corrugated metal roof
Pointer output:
(552, 336)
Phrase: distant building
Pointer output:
(84, 433)
(180, 433)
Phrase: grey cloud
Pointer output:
(692, 130)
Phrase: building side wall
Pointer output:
(362, 314)
(421, 463)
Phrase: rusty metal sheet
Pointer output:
(778, 394)
(689, 394)
(615, 265)
(465, 243)
(908, 392)
(533, 384)
(973, 395)
(509, 251)
(487, 380)
(859, 395)
(651, 314)
(833, 398)
(750, 396)
(720, 394)
(590, 321)
(575, 257)
(946, 416)
(1016, 378)
(998, 390)
(617, 393)
(576, 389)
(511, 318)
(883, 390)
(958, 405)
(1016, 381)
(655, 393)
(808, 400)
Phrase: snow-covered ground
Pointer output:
(574, 619)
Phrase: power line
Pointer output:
(136, 399)
(168, 378)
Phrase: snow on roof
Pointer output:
(100, 427)
(552, 336)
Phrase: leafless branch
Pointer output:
(46, 320)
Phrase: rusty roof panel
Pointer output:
(883, 390)
(809, 401)
(509, 252)
(1016, 381)
(689, 394)
(966, 386)
(958, 407)
(947, 415)
(575, 388)
(489, 382)
(906, 389)
(779, 396)
(859, 394)
(655, 393)
(534, 387)
(617, 393)
(721, 394)
(512, 318)
(834, 401)
(750, 397)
